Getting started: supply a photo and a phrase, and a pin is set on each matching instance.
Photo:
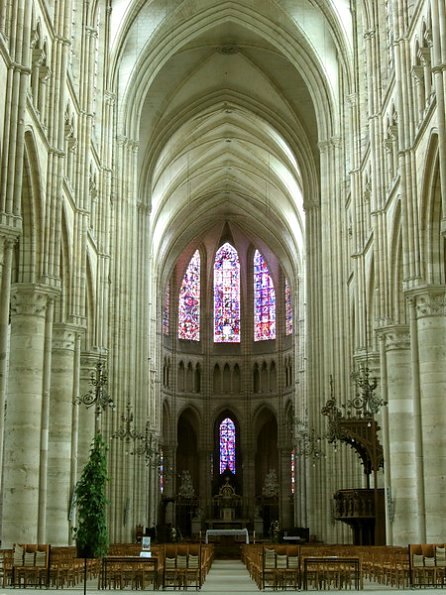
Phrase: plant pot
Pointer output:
(85, 551)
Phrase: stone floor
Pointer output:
(225, 577)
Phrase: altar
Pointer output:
(224, 524)
(227, 533)
(227, 503)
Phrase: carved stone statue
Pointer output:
(271, 485)
(186, 489)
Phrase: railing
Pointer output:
(354, 504)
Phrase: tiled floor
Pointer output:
(226, 577)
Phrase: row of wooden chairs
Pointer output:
(386, 565)
(186, 565)
(27, 564)
(427, 564)
(272, 565)
(42, 565)
(63, 569)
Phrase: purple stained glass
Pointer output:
(288, 309)
(189, 301)
(264, 301)
(161, 472)
(226, 295)
(227, 445)
(166, 311)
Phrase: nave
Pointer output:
(225, 576)
(223, 249)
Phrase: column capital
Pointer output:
(396, 337)
(89, 359)
(10, 226)
(429, 300)
(64, 336)
(31, 299)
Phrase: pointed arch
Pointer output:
(189, 301)
(264, 300)
(166, 311)
(289, 311)
(62, 303)
(181, 377)
(217, 379)
(432, 241)
(227, 440)
(188, 428)
(226, 295)
(29, 250)
(236, 380)
(266, 440)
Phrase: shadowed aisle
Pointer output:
(229, 576)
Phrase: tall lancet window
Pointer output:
(288, 309)
(226, 295)
(189, 301)
(264, 301)
(166, 311)
(227, 445)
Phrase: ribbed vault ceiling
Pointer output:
(228, 102)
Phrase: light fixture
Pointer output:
(365, 403)
(308, 443)
(97, 396)
(126, 431)
(148, 448)
(357, 426)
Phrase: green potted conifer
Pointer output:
(91, 532)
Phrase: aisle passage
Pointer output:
(229, 576)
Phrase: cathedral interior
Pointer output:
(222, 247)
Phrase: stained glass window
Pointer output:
(293, 471)
(161, 472)
(166, 311)
(288, 309)
(227, 445)
(264, 301)
(226, 295)
(189, 302)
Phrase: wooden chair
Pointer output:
(269, 576)
(170, 576)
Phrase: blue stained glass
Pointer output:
(226, 295)
(264, 301)
(227, 445)
(288, 309)
(189, 301)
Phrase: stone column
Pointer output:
(204, 488)
(59, 447)
(438, 13)
(401, 464)
(430, 309)
(286, 520)
(86, 416)
(24, 413)
(5, 291)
